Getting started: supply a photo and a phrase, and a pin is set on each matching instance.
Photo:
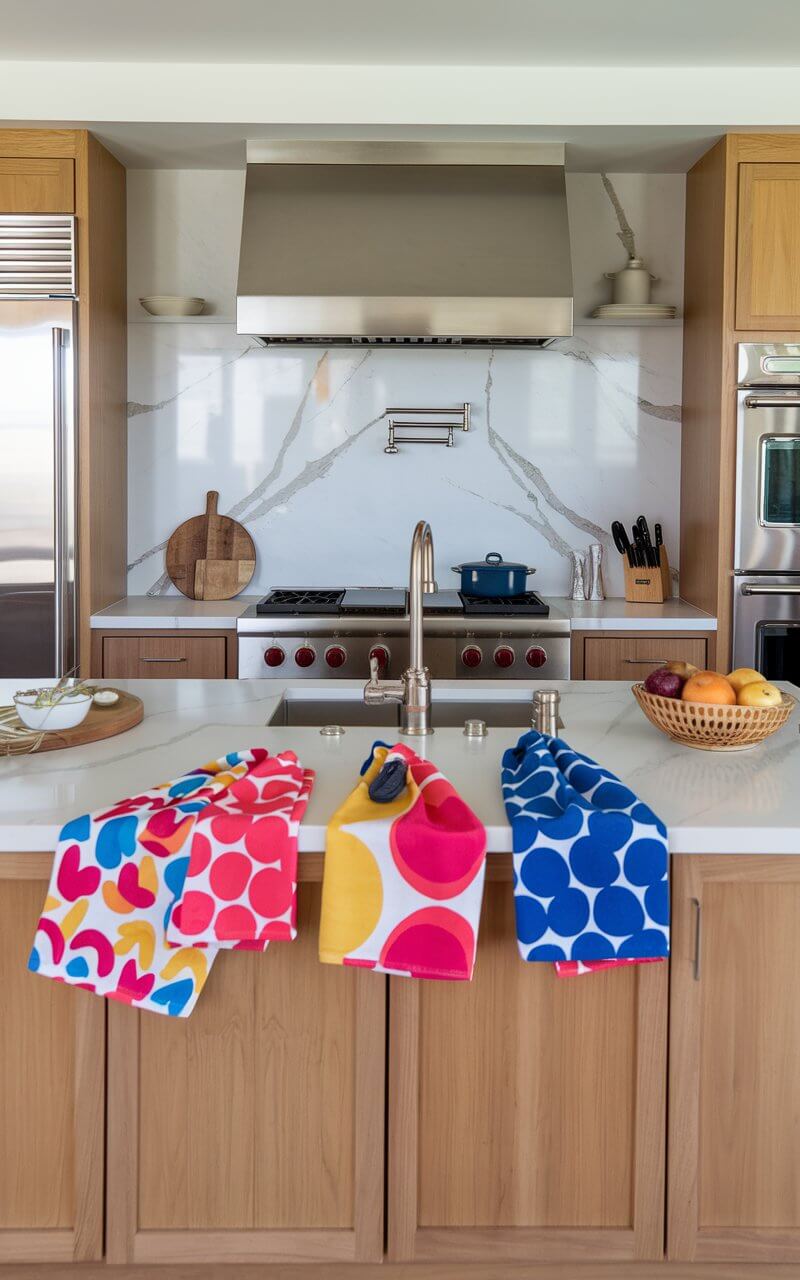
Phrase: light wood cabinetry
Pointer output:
(742, 284)
(37, 185)
(526, 1111)
(734, 1142)
(630, 655)
(52, 1071)
(768, 247)
(252, 1131)
(164, 655)
(66, 171)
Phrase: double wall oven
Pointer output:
(766, 584)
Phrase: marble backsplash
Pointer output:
(563, 441)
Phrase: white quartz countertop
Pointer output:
(616, 614)
(172, 613)
(178, 613)
(712, 802)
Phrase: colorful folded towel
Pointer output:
(403, 879)
(118, 878)
(590, 861)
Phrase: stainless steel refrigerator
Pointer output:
(37, 446)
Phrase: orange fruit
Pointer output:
(709, 686)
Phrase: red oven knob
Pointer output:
(471, 656)
(304, 656)
(536, 656)
(382, 654)
(504, 656)
(274, 656)
(335, 655)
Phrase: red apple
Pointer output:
(666, 683)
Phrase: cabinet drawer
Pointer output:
(164, 657)
(622, 658)
(37, 186)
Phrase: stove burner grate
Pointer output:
(288, 600)
(527, 604)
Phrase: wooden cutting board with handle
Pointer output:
(211, 557)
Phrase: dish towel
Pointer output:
(118, 879)
(590, 861)
(403, 880)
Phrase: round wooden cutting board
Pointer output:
(101, 722)
(211, 557)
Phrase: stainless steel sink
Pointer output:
(507, 712)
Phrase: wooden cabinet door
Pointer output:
(52, 1072)
(734, 1080)
(252, 1131)
(768, 249)
(37, 185)
(526, 1111)
(164, 657)
(632, 658)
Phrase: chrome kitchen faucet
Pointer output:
(413, 689)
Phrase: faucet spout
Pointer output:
(413, 691)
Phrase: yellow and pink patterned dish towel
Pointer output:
(403, 879)
(144, 894)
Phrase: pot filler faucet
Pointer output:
(413, 689)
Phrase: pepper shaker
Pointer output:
(578, 575)
(596, 591)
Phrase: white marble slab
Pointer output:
(711, 802)
(618, 614)
(564, 440)
(175, 613)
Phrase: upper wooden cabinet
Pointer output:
(768, 249)
(35, 185)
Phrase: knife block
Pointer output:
(648, 586)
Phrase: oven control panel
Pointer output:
(347, 657)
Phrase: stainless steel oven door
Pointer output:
(767, 536)
(766, 625)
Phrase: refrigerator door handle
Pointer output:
(61, 540)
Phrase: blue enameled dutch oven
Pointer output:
(493, 576)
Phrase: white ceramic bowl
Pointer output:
(166, 304)
(66, 714)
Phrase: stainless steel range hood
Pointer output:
(405, 244)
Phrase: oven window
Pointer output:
(778, 656)
(781, 470)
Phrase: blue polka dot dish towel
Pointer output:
(590, 861)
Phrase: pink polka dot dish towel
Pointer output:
(121, 877)
(405, 861)
(590, 861)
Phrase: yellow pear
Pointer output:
(742, 676)
(759, 694)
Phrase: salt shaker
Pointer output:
(545, 711)
(578, 576)
(596, 591)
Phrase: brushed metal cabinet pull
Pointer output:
(162, 659)
(698, 936)
(645, 662)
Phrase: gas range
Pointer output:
(329, 633)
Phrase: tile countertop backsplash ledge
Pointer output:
(179, 614)
(711, 802)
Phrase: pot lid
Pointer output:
(493, 561)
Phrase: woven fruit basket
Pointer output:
(711, 726)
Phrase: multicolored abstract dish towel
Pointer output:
(403, 880)
(590, 861)
(142, 895)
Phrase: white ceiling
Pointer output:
(577, 33)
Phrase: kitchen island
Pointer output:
(519, 1118)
